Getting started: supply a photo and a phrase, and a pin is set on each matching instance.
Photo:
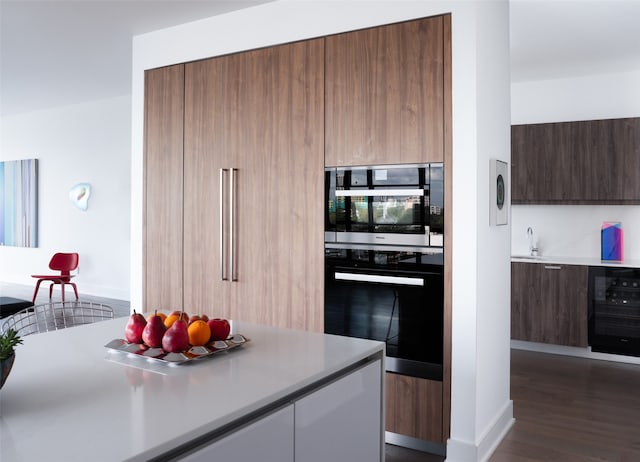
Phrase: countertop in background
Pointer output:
(584, 261)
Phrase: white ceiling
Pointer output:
(57, 52)
(563, 38)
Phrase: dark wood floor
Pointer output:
(572, 409)
(567, 409)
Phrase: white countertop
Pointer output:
(70, 398)
(584, 261)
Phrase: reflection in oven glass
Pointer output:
(409, 322)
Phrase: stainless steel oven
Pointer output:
(392, 294)
(391, 204)
(384, 261)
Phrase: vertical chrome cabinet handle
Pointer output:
(232, 216)
(223, 274)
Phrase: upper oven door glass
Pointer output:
(400, 205)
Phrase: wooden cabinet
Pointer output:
(414, 407)
(278, 115)
(549, 303)
(584, 162)
(384, 97)
(261, 113)
(163, 196)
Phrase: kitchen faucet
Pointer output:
(533, 247)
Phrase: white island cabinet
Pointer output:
(286, 395)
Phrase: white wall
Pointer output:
(481, 409)
(574, 230)
(81, 143)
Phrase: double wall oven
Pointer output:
(384, 261)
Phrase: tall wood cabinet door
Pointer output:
(385, 94)
(163, 159)
(549, 303)
(261, 114)
(279, 241)
(208, 148)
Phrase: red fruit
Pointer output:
(135, 326)
(176, 338)
(154, 331)
(196, 317)
(220, 328)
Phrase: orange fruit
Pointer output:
(162, 315)
(168, 322)
(199, 332)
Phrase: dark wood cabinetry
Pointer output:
(384, 97)
(584, 162)
(549, 303)
(163, 195)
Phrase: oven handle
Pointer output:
(361, 277)
(379, 192)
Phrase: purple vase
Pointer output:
(5, 368)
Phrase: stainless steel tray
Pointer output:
(194, 354)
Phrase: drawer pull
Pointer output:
(552, 267)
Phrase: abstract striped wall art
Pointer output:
(19, 203)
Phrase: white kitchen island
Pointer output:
(284, 395)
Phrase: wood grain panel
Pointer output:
(528, 172)
(163, 193)
(208, 94)
(414, 407)
(581, 162)
(549, 303)
(384, 94)
(615, 152)
(280, 229)
(628, 132)
(260, 112)
(448, 234)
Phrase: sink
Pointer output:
(529, 257)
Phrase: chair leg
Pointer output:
(51, 290)
(62, 288)
(35, 292)
(75, 289)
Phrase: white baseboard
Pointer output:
(466, 451)
(572, 351)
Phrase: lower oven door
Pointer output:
(402, 309)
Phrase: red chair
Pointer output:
(65, 263)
